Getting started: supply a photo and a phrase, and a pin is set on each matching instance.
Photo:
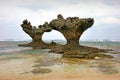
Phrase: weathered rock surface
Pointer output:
(35, 33)
(86, 52)
(72, 28)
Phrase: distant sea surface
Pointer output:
(8, 46)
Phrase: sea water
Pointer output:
(19, 62)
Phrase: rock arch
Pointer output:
(72, 28)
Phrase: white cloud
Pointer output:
(82, 9)
(110, 20)
(38, 11)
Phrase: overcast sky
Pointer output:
(106, 14)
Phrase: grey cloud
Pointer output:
(36, 7)
(112, 2)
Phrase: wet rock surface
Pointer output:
(41, 71)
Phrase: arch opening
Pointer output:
(54, 36)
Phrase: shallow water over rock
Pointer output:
(37, 64)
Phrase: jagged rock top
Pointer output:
(71, 22)
(27, 27)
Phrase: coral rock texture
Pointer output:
(35, 33)
(72, 27)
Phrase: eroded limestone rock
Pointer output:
(72, 27)
(35, 33)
